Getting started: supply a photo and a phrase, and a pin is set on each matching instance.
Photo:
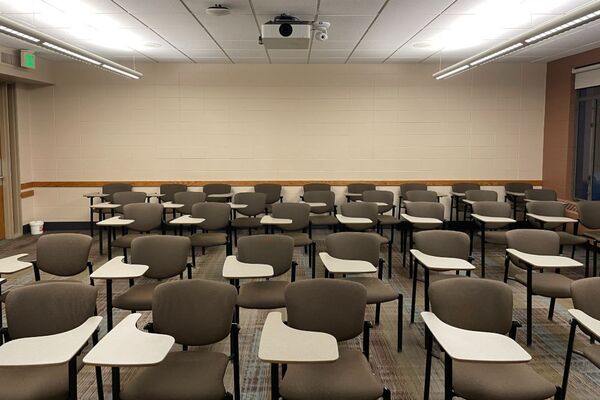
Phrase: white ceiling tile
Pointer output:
(199, 7)
(241, 44)
(290, 7)
(348, 27)
(334, 44)
(319, 53)
(366, 60)
(350, 7)
(327, 60)
(152, 6)
(234, 27)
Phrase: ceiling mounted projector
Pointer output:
(289, 32)
(218, 10)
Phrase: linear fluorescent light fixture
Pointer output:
(32, 36)
(571, 20)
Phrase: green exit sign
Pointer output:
(27, 59)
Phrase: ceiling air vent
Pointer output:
(10, 59)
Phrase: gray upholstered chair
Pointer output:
(111, 188)
(540, 242)
(491, 232)
(477, 195)
(310, 187)
(256, 204)
(124, 198)
(40, 310)
(272, 192)
(63, 254)
(458, 191)
(556, 209)
(428, 196)
(422, 210)
(169, 190)
(215, 230)
(407, 187)
(370, 211)
(541, 195)
(443, 243)
(299, 213)
(589, 218)
(147, 217)
(335, 307)
(195, 313)
(365, 247)
(517, 202)
(586, 298)
(355, 190)
(188, 199)
(217, 189)
(166, 256)
(466, 304)
(276, 251)
(322, 216)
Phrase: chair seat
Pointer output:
(38, 382)
(208, 239)
(548, 284)
(386, 219)
(136, 298)
(182, 375)
(324, 220)
(495, 237)
(250, 222)
(124, 242)
(382, 239)
(568, 239)
(593, 235)
(263, 295)
(377, 290)
(301, 239)
(348, 378)
(511, 381)
(593, 354)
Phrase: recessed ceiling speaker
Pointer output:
(217, 10)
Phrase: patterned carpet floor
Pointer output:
(402, 372)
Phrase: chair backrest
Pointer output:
(216, 215)
(360, 187)
(541, 194)
(165, 255)
(589, 214)
(492, 209)
(124, 198)
(364, 210)
(443, 243)
(146, 216)
(380, 196)
(462, 187)
(320, 196)
(322, 187)
(517, 187)
(333, 306)
(474, 304)
(50, 308)
(63, 254)
(274, 250)
(354, 246)
(546, 208)
(534, 241)
(271, 190)
(112, 188)
(169, 190)
(299, 213)
(426, 210)
(407, 187)
(217, 188)
(481, 195)
(195, 312)
(188, 199)
(421, 195)
(586, 296)
(256, 203)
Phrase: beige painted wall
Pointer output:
(186, 121)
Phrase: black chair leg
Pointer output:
(99, 384)
(551, 309)
(400, 321)
(377, 313)
(193, 256)
(506, 267)
(387, 395)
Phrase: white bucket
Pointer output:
(37, 227)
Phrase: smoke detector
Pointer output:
(217, 10)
